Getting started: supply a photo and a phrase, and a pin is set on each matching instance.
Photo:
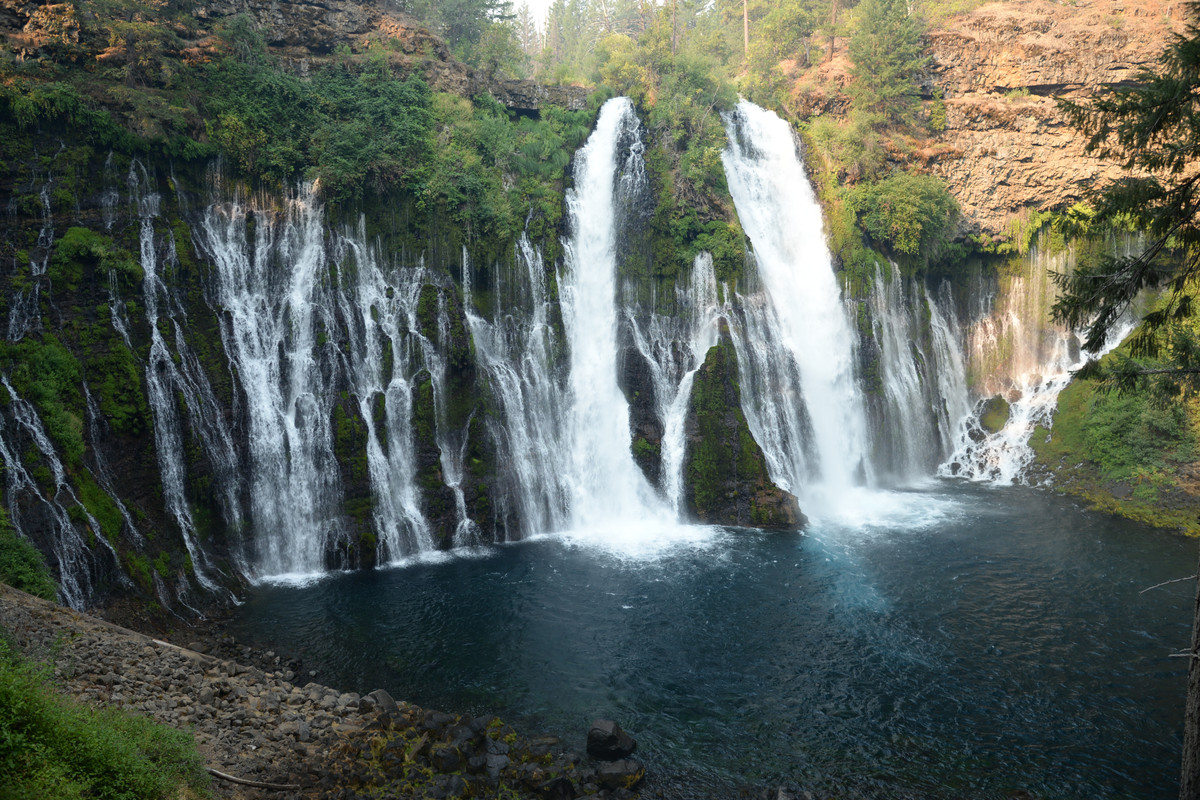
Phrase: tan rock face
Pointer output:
(1006, 147)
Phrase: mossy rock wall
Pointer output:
(725, 473)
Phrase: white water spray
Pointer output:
(608, 491)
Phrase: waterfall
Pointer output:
(77, 562)
(920, 393)
(674, 347)
(1016, 352)
(287, 292)
(782, 218)
(164, 378)
(515, 350)
(606, 487)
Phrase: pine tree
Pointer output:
(887, 54)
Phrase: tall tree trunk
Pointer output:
(1189, 782)
(832, 29)
(745, 32)
(673, 28)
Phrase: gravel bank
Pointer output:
(260, 725)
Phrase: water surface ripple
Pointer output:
(962, 641)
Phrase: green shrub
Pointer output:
(21, 565)
(909, 214)
(54, 747)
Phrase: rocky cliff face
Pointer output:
(1006, 148)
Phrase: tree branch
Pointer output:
(278, 787)
(1164, 583)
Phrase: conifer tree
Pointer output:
(887, 54)
(1153, 129)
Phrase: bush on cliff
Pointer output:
(51, 746)
(21, 565)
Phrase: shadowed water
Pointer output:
(960, 641)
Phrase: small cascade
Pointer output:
(918, 385)
(97, 428)
(289, 288)
(1022, 359)
(515, 350)
(377, 309)
(607, 488)
(24, 307)
(674, 347)
(77, 563)
(164, 378)
(782, 218)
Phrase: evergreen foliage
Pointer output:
(1153, 129)
(887, 53)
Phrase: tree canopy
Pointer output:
(1153, 129)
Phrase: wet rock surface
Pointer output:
(275, 726)
(725, 471)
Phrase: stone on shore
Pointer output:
(607, 741)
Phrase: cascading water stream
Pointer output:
(1024, 358)
(607, 488)
(164, 378)
(921, 392)
(376, 315)
(514, 349)
(285, 293)
(674, 347)
(782, 218)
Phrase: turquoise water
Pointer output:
(959, 641)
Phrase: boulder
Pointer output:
(379, 700)
(606, 740)
(724, 469)
(623, 774)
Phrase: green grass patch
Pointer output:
(22, 566)
(54, 747)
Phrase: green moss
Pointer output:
(21, 565)
(427, 312)
(100, 506)
(723, 465)
(115, 377)
(139, 568)
(350, 441)
(162, 564)
(48, 375)
(994, 415)
(1123, 454)
(81, 250)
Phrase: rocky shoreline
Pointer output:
(267, 725)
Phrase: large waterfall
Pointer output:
(347, 405)
(607, 487)
(838, 392)
(782, 218)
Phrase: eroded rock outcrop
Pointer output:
(725, 472)
(1006, 147)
